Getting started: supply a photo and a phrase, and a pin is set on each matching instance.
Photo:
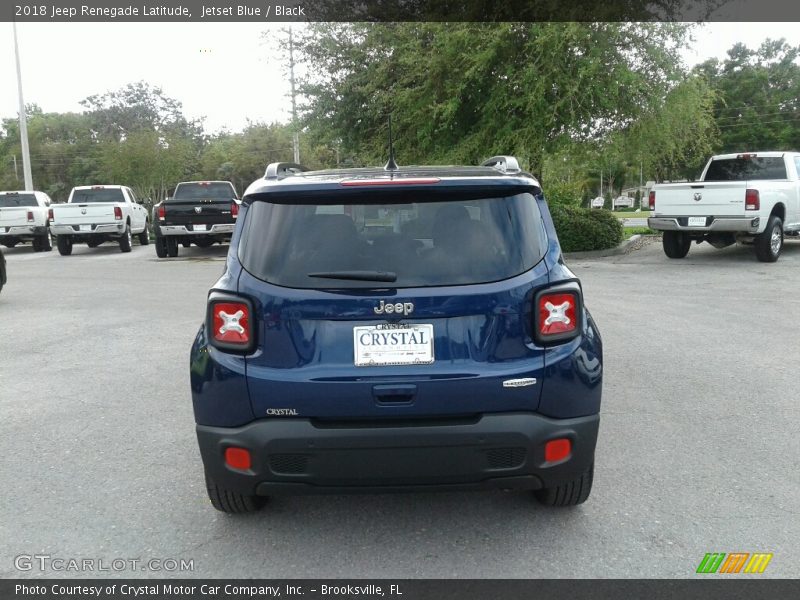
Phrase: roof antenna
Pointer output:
(391, 165)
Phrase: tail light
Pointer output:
(651, 199)
(752, 200)
(118, 213)
(557, 314)
(230, 323)
(234, 209)
(162, 212)
(50, 216)
(30, 216)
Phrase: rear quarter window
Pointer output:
(422, 243)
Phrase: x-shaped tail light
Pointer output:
(557, 317)
(230, 323)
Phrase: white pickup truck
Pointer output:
(95, 214)
(751, 197)
(23, 217)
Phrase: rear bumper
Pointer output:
(218, 229)
(22, 230)
(734, 224)
(117, 228)
(299, 456)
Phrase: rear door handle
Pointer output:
(394, 394)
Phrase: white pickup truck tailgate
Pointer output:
(721, 199)
(15, 216)
(91, 212)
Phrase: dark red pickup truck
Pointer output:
(199, 212)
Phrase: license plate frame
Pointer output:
(200, 227)
(395, 353)
(85, 228)
(696, 222)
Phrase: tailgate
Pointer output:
(91, 212)
(14, 216)
(208, 212)
(311, 347)
(725, 198)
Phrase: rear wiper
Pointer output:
(357, 275)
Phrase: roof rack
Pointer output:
(279, 170)
(504, 164)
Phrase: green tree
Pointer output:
(758, 104)
(462, 92)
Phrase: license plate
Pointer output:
(389, 344)
(697, 221)
(200, 228)
(86, 227)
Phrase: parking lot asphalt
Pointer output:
(698, 445)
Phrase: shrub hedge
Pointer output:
(582, 229)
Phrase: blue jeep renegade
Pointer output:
(396, 329)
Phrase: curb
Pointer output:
(624, 247)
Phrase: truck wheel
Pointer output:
(144, 237)
(228, 501)
(571, 493)
(161, 246)
(768, 244)
(201, 243)
(676, 244)
(126, 241)
(64, 243)
(42, 243)
(172, 246)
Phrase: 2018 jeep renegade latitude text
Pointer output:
(396, 329)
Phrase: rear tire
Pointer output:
(676, 244)
(126, 241)
(172, 246)
(144, 237)
(42, 243)
(227, 501)
(64, 243)
(768, 244)
(571, 493)
(161, 246)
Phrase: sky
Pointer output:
(228, 73)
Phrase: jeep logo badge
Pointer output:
(400, 308)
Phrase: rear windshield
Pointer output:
(97, 195)
(12, 200)
(204, 191)
(323, 246)
(746, 169)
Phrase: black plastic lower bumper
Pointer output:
(301, 456)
